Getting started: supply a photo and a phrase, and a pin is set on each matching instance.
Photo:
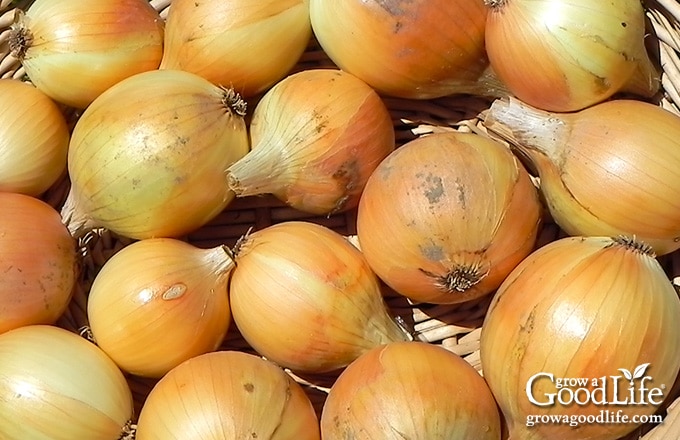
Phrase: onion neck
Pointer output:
(487, 84)
(220, 259)
(531, 130)
(646, 79)
(76, 221)
(389, 329)
(257, 173)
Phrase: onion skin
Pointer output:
(304, 297)
(316, 137)
(430, 230)
(580, 307)
(227, 395)
(567, 55)
(55, 385)
(410, 390)
(73, 50)
(418, 49)
(33, 139)
(598, 166)
(158, 302)
(157, 170)
(244, 45)
(37, 262)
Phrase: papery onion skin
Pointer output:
(567, 55)
(73, 50)
(38, 262)
(227, 395)
(447, 216)
(55, 385)
(316, 137)
(33, 139)
(410, 390)
(158, 302)
(148, 158)
(580, 307)
(418, 49)
(244, 45)
(611, 169)
(304, 297)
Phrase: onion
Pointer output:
(317, 136)
(33, 139)
(73, 50)
(447, 216)
(54, 385)
(410, 390)
(417, 49)
(37, 262)
(148, 158)
(595, 308)
(158, 302)
(303, 297)
(227, 395)
(600, 165)
(565, 55)
(242, 44)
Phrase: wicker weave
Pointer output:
(455, 327)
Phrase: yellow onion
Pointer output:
(158, 302)
(33, 139)
(611, 169)
(565, 55)
(410, 390)
(73, 50)
(241, 44)
(584, 330)
(417, 49)
(37, 262)
(447, 216)
(55, 385)
(227, 395)
(316, 137)
(304, 297)
(148, 158)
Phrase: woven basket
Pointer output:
(455, 327)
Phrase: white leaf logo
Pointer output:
(636, 374)
(640, 371)
(627, 374)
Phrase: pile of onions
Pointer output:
(33, 139)
(56, 385)
(241, 44)
(304, 297)
(148, 157)
(599, 166)
(227, 395)
(316, 137)
(447, 216)
(410, 390)
(158, 302)
(73, 50)
(565, 55)
(418, 49)
(597, 308)
(37, 262)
